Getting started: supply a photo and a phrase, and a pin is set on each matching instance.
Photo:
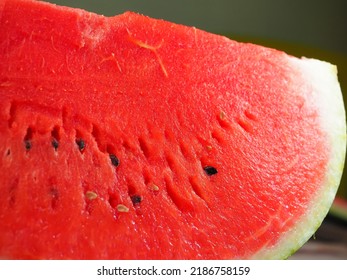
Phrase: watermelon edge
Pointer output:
(327, 96)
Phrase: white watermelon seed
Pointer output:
(91, 195)
(153, 187)
(122, 208)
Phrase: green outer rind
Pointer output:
(327, 96)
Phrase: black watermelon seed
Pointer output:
(27, 138)
(114, 160)
(27, 145)
(210, 170)
(136, 199)
(81, 144)
(55, 144)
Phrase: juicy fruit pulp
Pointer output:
(135, 138)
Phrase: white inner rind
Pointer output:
(326, 96)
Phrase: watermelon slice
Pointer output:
(135, 138)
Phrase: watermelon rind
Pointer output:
(327, 97)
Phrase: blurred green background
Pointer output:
(312, 28)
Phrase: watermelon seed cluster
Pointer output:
(87, 134)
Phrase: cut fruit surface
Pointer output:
(135, 138)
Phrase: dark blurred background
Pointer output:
(317, 23)
(311, 28)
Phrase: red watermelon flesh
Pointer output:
(134, 138)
